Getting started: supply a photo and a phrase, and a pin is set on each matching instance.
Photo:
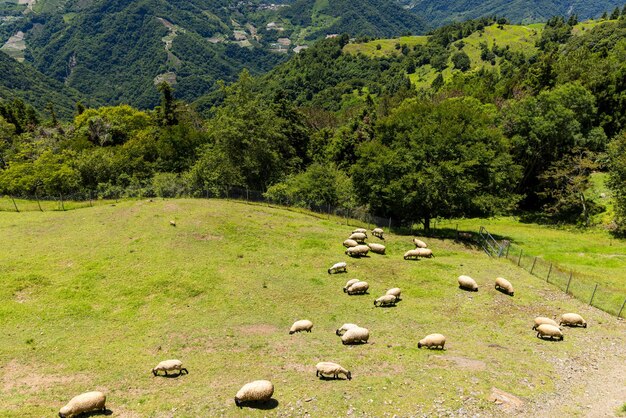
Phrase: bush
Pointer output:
(168, 185)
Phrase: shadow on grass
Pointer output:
(106, 412)
(330, 378)
(171, 376)
(263, 406)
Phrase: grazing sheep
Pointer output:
(547, 330)
(572, 320)
(356, 335)
(432, 341)
(331, 369)
(467, 283)
(505, 286)
(378, 232)
(419, 243)
(386, 300)
(173, 223)
(425, 252)
(302, 325)
(344, 328)
(350, 243)
(338, 267)
(358, 237)
(168, 366)
(377, 248)
(85, 402)
(360, 231)
(543, 320)
(396, 292)
(257, 391)
(358, 288)
(411, 255)
(358, 251)
(349, 283)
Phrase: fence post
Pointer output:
(621, 309)
(593, 294)
(247, 197)
(533, 267)
(568, 282)
(389, 229)
(549, 271)
(457, 232)
(519, 260)
(508, 247)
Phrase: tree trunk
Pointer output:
(14, 204)
(427, 224)
(38, 202)
(62, 205)
(585, 212)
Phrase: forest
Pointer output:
(351, 131)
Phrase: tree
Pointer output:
(430, 159)
(615, 14)
(167, 110)
(437, 82)
(461, 61)
(617, 180)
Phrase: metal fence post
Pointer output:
(519, 260)
(593, 294)
(533, 267)
(621, 309)
(568, 282)
(549, 271)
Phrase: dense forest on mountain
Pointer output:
(522, 133)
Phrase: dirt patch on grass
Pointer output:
(26, 379)
(207, 237)
(462, 362)
(171, 207)
(22, 296)
(258, 329)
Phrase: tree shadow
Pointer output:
(263, 406)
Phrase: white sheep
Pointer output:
(358, 288)
(396, 291)
(358, 251)
(543, 320)
(302, 325)
(360, 231)
(505, 286)
(432, 341)
(168, 366)
(257, 391)
(85, 402)
(331, 369)
(350, 243)
(378, 232)
(173, 223)
(338, 267)
(419, 243)
(377, 248)
(572, 320)
(411, 255)
(418, 253)
(386, 300)
(547, 330)
(349, 283)
(467, 283)
(344, 328)
(356, 335)
(358, 237)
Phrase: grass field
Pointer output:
(94, 298)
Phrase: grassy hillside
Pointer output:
(94, 298)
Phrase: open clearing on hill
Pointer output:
(96, 297)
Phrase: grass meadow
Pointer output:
(94, 298)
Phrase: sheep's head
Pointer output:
(349, 375)
(65, 411)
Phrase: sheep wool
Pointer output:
(349, 283)
(358, 251)
(396, 291)
(377, 248)
(302, 325)
(432, 341)
(338, 267)
(360, 231)
(385, 300)
(344, 328)
(350, 243)
(411, 255)
(378, 232)
(419, 243)
(356, 335)
(543, 320)
(358, 288)
(257, 391)
(85, 402)
(424, 252)
(168, 366)
(505, 286)
(549, 331)
(358, 237)
(326, 368)
(467, 283)
(573, 320)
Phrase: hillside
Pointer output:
(220, 290)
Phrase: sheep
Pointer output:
(378, 232)
(358, 288)
(417, 253)
(349, 283)
(543, 320)
(360, 231)
(173, 223)
(396, 292)
(547, 330)
(338, 267)
(467, 283)
(350, 243)
(377, 248)
(356, 335)
(168, 366)
(432, 341)
(302, 325)
(257, 391)
(358, 251)
(85, 402)
(504, 286)
(358, 237)
(411, 255)
(572, 320)
(419, 243)
(331, 369)
(344, 328)
(386, 300)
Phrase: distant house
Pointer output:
(299, 48)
